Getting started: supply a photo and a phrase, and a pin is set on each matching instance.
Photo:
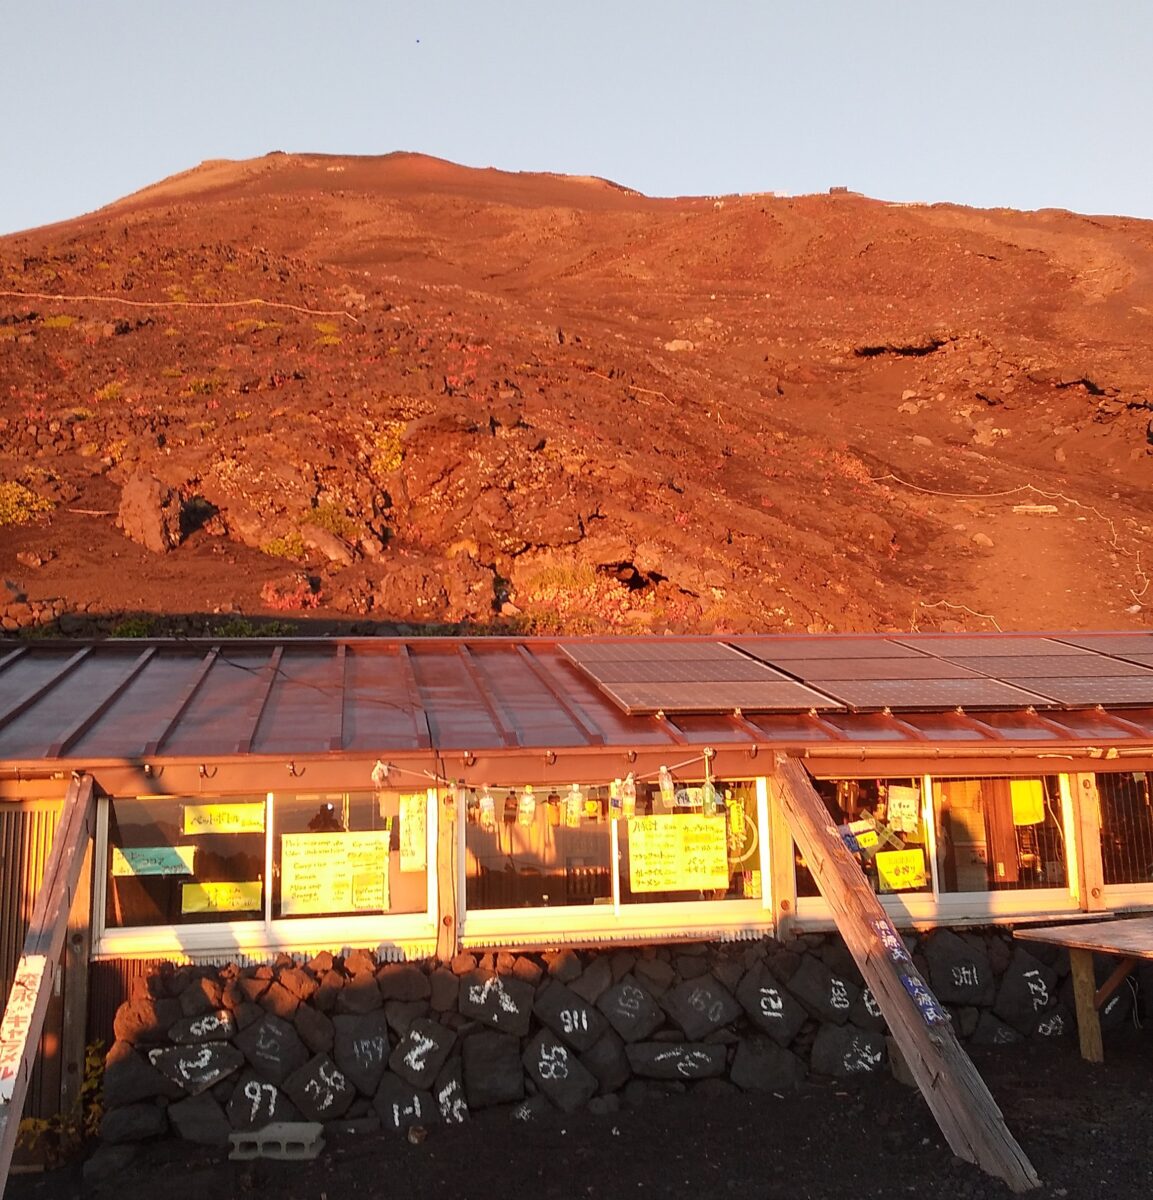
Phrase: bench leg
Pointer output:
(1085, 992)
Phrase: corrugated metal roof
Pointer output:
(204, 700)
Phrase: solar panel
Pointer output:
(1112, 643)
(782, 649)
(783, 696)
(925, 693)
(1101, 690)
(647, 650)
(736, 668)
(920, 667)
(992, 644)
(1041, 666)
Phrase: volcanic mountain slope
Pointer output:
(396, 390)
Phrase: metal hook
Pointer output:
(205, 773)
(293, 771)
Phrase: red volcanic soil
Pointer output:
(378, 392)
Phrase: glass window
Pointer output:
(346, 853)
(882, 823)
(999, 834)
(183, 860)
(691, 842)
(529, 847)
(1126, 827)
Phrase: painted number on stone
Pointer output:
(701, 1000)
(860, 1058)
(417, 1057)
(630, 1000)
(412, 1109)
(574, 1020)
(261, 1095)
(553, 1062)
(871, 1005)
(1053, 1027)
(1037, 990)
(369, 1051)
(772, 1004)
(322, 1088)
(839, 994)
(453, 1109)
(965, 975)
(479, 994)
(206, 1025)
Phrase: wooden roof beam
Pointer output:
(569, 707)
(500, 717)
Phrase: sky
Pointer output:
(1016, 103)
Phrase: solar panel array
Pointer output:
(851, 672)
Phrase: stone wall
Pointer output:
(201, 1051)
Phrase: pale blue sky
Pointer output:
(1022, 103)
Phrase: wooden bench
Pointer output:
(1130, 938)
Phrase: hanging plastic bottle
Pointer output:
(616, 799)
(668, 789)
(526, 807)
(629, 796)
(573, 806)
(487, 811)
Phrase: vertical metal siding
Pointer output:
(26, 833)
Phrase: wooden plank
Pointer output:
(1117, 977)
(1125, 935)
(447, 899)
(1090, 868)
(955, 1092)
(24, 1015)
(1084, 992)
(783, 878)
(74, 1037)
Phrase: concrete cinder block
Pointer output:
(281, 1140)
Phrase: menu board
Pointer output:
(414, 831)
(678, 853)
(334, 872)
(216, 896)
(153, 860)
(224, 818)
(900, 870)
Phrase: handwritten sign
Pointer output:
(904, 808)
(16, 1027)
(334, 872)
(678, 853)
(900, 870)
(153, 860)
(215, 896)
(224, 818)
(1028, 796)
(859, 835)
(413, 832)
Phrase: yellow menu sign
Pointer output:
(214, 896)
(1028, 796)
(900, 870)
(678, 852)
(334, 872)
(224, 818)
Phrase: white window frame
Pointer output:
(415, 933)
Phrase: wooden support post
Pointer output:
(23, 1018)
(1084, 995)
(1087, 812)
(961, 1103)
(783, 878)
(448, 902)
(74, 1036)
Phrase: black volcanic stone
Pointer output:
(683, 1061)
(1028, 989)
(844, 1050)
(360, 1047)
(133, 1123)
(573, 1019)
(320, 1089)
(273, 1048)
(255, 1103)
(770, 1006)
(448, 1092)
(558, 1072)
(959, 970)
(200, 1119)
(420, 1054)
(608, 1061)
(197, 1068)
(216, 1026)
(761, 1065)
(700, 1006)
(493, 1073)
(500, 1001)
(631, 1009)
(827, 997)
(129, 1078)
(401, 1106)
